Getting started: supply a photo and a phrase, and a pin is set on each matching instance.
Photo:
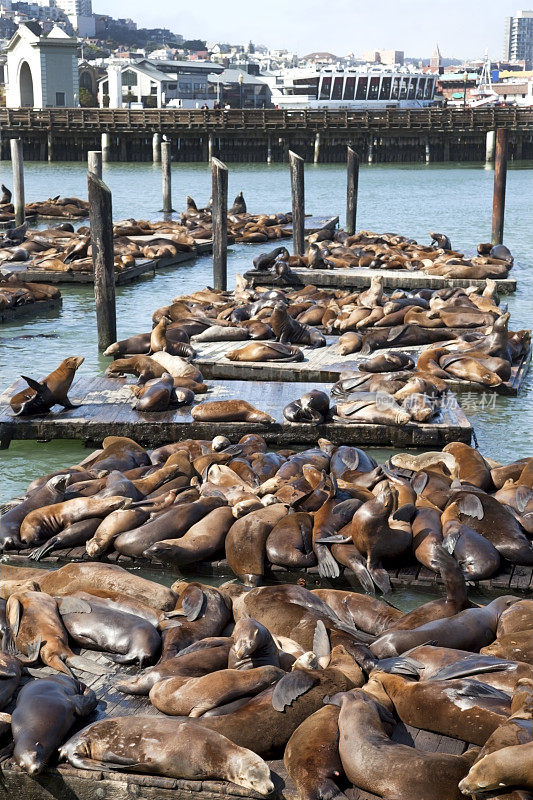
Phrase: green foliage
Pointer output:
(87, 98)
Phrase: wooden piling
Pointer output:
(167, 177)
(269, 149)
(101, 221)
(500, 181)
(316, 158)
(94, 162)
(17, 161)
(219, 175)
(490, 141)
(352, 190)
(296, 163)
(156, 148)
(106, 147)
(50, 146)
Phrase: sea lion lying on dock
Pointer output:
(229, 411)
(266, 351)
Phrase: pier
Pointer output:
(267, 135)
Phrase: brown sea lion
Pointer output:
(10, 674)
(45, 522)
(46, 710)
(155, 745)
(144, 367)
(519, 617)
(312, 755)
(229, 411)
(192, 697)
(50, 391)
(350, 342)
(206, 613)
(374, 762)
(509, 767)
(246, 542)
(477, 557)
(387, 362)
(517, 645)
(253, 646)
(266, 351)
(360, 610)
(289, 331)
(200, 543)
(158, 395)
(290, 542)
(52, 492)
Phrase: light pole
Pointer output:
(465, 78)
(241, 81)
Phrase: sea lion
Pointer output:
(192, 697)
(85, 577)
(470, 466)
(168, 525)
(374, 762)
(144, 367)
(360, 610)
(71, 536)
(42, 523)
(387, 362)
(160, 746)
(52, 492)
(471, 629)
(518, 617)
(312, 755)
(206, 613)
(230, 411)
(350, 342)
(246, 542)
(477, 557)
(266, 351)
(289, 331)
(200, 543)
(239, 205)
(253, 646)
(509, 767)
(290, 542)
(517, 645)
(50, 391)
(158, 395)
(312, 407)
(461, 708)
(443, 663)
(10, 674)
(45, 712)
(124, 637)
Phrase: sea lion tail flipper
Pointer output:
(347, 505)
(475, 665)
(290, 687)
(471, 505)
(40, 552)
(328, 790)
(193, 602)
(334, 700)
(452, 578)
(86, 665)
(321, 644)
(401, 665)
(380, 576)
(327, 566)
(33, 384)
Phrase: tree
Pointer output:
(87, 98)
(194, 44)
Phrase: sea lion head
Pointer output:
(73, 362)
(220, 443)
(308, 660)
(252, 772)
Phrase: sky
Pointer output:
(462, 28)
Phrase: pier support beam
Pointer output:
(123, 149)
(17, 160)
(101, 220)
(106, 147)
(298, 203)
(500, 181)
(94, 162)
(428, 151)
(371, 150)
(50, 146)
(446, 149)
(219, 177)
(518, 146)
(210, 147)
(166, 163)
(490, 142)
(352, 190)
(269, 149)
(316, 157)
(156, 148)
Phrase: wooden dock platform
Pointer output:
(142, 267)
(106, 410)
(30, 309)
(360, 278)
(63, 782)
(324, 365)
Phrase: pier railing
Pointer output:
(178, 120)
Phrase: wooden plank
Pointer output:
(360, 278)
(106, 410)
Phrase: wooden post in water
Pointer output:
(101, 221)
(50, 146)
(106, 147)
(352, 190)
(316, 158)
(156, 148)
(94, 162)
(500, 181)
(17, 161)
(167, 177)
(219, 175)
(296, 163)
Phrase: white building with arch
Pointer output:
(42, 70)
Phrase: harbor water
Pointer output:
(407, 199)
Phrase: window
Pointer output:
(185, 87)
(172, 86)
(429, 89)
(395, 89)
(361, 89)
(412, 89)
(403, 88)
(349, 89)
(129, 77)
(60, 99)
(385, 88)
(337, 89)
(153, 89)
(420, 90)
(374, 89)
(325, 89)
(198, 87)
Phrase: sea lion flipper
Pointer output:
(452, 578)
(401, 665)
(14, 615)
(474, 665)
(335, 538)
(347, 505)
(33, 384)
(67, 404)
(192, 602)
(405, 513)
(321, 644)
(74, 605)
(327, 565)
(522, 496)
(290, 687)
(381, 578)
(471, 505)
(419, 482)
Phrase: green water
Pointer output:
(410, 199)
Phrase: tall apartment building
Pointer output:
(519, 38)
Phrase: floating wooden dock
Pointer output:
(106, 410)
(142, 267)
(64, 782)
(324, 365)
(30, 309)
(360, 278)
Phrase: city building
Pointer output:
(388, 57)
(519, 38)
(42, 69)
(435, 62)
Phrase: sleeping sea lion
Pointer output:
(230, 411)
(266, 351)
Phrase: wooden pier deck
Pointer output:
(63, 782)
(106, 410)
(30, 309)
(360, 278)
(324, 365)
